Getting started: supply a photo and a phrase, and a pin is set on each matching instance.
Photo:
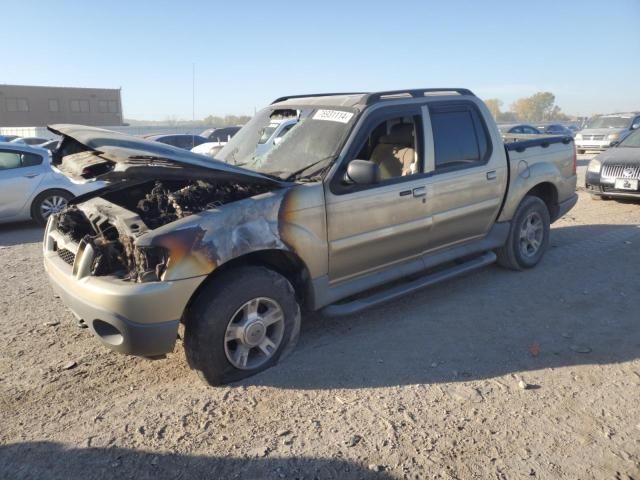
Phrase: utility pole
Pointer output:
(193, 92)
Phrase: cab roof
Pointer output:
(364, 99)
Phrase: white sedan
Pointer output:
(30, 188)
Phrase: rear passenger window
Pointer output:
(459, 137)
(31, 159)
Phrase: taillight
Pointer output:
(575, 160)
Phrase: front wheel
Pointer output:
(48, 203)
(241, 323)
(529, 235)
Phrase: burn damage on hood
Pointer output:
(154, 185)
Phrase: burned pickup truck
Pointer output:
(364, 198)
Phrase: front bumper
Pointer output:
(592, 145)
(132, 318)
(598, 185)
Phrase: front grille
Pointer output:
(593, 137)
(621, 171)
(66, 255)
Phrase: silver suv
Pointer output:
(603, 130)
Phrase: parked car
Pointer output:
(30, 187)
(616, 172)
(218, 138)
(30, 140)
(8, 138)
(348, 203)
(557, 129)
(601, 130)
(184, 141)
(273, 134)
(222, 134)
(51, 145)
(520, 129)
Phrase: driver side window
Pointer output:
(394, 145)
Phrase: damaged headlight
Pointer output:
(130, 262)
(150, 263)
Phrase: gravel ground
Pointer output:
(429, 386)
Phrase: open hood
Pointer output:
(94, 153)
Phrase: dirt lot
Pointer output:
(424, 387)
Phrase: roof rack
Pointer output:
(310, 95)
(377, 96)
(414, 93)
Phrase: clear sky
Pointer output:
(246, 53)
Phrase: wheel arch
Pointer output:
(284, 262)
(548, 193)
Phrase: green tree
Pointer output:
(538, 107)
(494, 104)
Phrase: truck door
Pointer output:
(469, 173)
(374, 226)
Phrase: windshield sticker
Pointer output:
(333, 116)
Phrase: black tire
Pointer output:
(516, 254)
(218, 305)
(600, 197)
(53, 196)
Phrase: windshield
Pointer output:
(608, 122)
(313, 141)
(632, 140)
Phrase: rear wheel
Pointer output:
(600, 197)
(48, 203)
(240, 324)
(529, 235)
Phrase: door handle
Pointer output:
(419, 191)
(492, 175)
(31, 175)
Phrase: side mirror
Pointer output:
(362, 172)
(635, 126)
(614, 143)
(277, 141)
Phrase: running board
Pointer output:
(392, 293)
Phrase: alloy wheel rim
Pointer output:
(254, 333)
(531, 235)
(51, 205)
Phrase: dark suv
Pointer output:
(616, 172)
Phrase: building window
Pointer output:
(79, 106)
(17, 105)
(113, 106)
(54, 106)
(103, 106)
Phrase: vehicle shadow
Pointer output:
(579, 306)
(52, 460)
(19, 233)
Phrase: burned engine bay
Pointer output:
(111, 222)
